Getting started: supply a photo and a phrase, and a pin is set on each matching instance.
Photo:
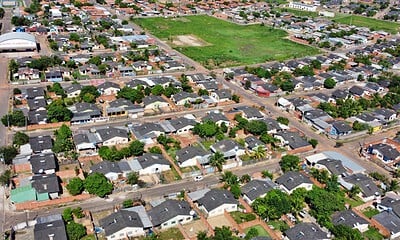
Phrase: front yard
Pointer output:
(240, 217)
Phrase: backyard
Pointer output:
(373, 24)
(216, 43)
(261, 231)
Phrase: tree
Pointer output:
(287, 86)
(58, 112)
(63, 142)
(5, 178)
(57, 89)
(297, 199)
(268, 139)
(136, 148)
(203, 92)
(206, 129)
(98, 184)
(15, 118)
(75, 186)
(75, 231)
(283, 120)
(17, 91)
(229, 178)
(259, 153)
(235, 190)
(8, 153)
(217, 160)
(253, 232)
(20, 138)
(344, 232)
(235, 98)
(127, 203)
(77, 212)
(289, 163)
(89, 94)
(223, 233)
(132, 94)
(273, 205)
(132, 178)
(313, 142)
(256, 127)
(67, 215)
(155, 149)
(157, 90)
(393, 185)
(266, 174)
(354, 191)
(329, 83)
(245, 178)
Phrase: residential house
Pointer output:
(44, 163)
(37, 104)
(170, 213)
(26, 74)
(192, 156)
(257, 188)
(214, 202)
(230, 148)
(41, 144)
(216, 117)
(293, 141)
(54, 76)
(385, 115)
(173, 66)
(86, 141)
(37, 117)
(369, 190)
(124, 107)
(250, 113)
(340, 128)
(291, 181)
(134, 83)
(110, 169)
(358, 91)
(183, 98)
(35, 93)
(350, 219)
(390, 222)
(50, 227)
(47, 184)
(155, 103)
(73, 90)
(252, 143)
(306, 231)
(274, 126)
(147, 131)
(111, 136)
(84, 113)
(152, 163)
(108, 88)
(222, 95)
(333, 166)
(182, 125)
(384, 152)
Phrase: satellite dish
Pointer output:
(192, 212)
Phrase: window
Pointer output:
(181, 220)
(188, 218)
(233, 206)
(165, 224)
(173, 222)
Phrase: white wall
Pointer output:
(182, 219)
(155, 168)
(129, 231)
(220, 210)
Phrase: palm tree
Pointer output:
(259, 153)
(354, 191)
(393, 185)
(217, 160)
(229, 178)
(267, 174)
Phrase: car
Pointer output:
(198, 178)
(302, 213)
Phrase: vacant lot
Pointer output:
(216, 43)
(373, 24)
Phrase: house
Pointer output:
(154, 103)
(192, 156)
(110, 170)
(340, 128)
(351, 219)
(291, 181)
(44, 163)
(111, 136)
(257, 188)
(173, 66)
(369, 190)
(293, 141)
(216, 117)
(122, 225)
(222, 95)
(108, 88)
(123, 107)
(54, 76)
(37, 104)
(47, 184)
(25, 73)
(183, 98)
(250, 113)
(306, 231)
(390, 222)
(37, 117)
(147, 131)
(230, 149)
(182, 125)
(50, 227)
(84, 113)
(358, 91)
(386, 115)
(340, 94)
(41, 144)
(252, 143)
(274, 126)
(215, 201)
(170, 213)
(136, 82)
(333, 166)
(152, 163)
(73, 90)
(384, 152)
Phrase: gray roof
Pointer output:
(50, 226)
(42, 162)
(367, 185)
(179, 123)
(86, 107)
(215, 198)
(47, 183)
(257, 188)
(105, 167)
(366, 117)
(34, 92)
(272, 124)
(37, 116)
(111, 132)
(146, 129)
(40, 143)
(334, 166)
(190, 152)
(215, 117)
(120, 220)
(168, 210)
(348, 218)
(225, 146)
(72, 88)
(35, 104)
(107, 85)
(357, 90)
(136, 82)
(184, 95)
(250, 112)
(389, 220)
(290, 180)
(340, 94)
(152, 99)
(122, 104)
(149, 159)
(223, 93)
(306, 231)
(294, 139)
(253, 142)
(341, 126)
(387, 113)
(394, 204)
(389, 152)
(17, 35)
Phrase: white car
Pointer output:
(198, 178)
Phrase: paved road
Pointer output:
(6, 21)
(4, 97)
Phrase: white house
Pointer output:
(151, 163)
(291, 181)
(155, 103)
(170, 213)
(192, 156)
(111, 136)
(215, 201)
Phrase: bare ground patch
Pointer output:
(189, 41)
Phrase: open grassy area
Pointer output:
(278, 225)
(216, 43)
(261, 231)
(372, 234)
(370, 212)
(373, 24)
(353, 202)
(240, 217)
(170, 234)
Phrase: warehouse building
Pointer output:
(17, 41)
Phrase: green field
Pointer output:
(373, 24)
(223, 43)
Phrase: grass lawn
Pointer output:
(372, 234)
(370, 212)
(373, 24)
(221, 43)
(261, 231)
(278, 225)
(240, 217)
(353, 202)
(171, 234)
(207, 143)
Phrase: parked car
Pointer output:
(198, 178)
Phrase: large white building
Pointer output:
(17, 41)
(302, 6)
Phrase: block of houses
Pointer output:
(108, 88)
(351, 219)
(291, 181)
(44, 163)
(306, 231)
(222, 95)
(192, 156)
(170, 213)
(214, 202)
(111, 136)
(47, 184)
(384, 152)
(369, 190)
(73, 90)
(390, 222)
(41, 144)
(257, 188)
(155, 103)
(230, 148)
(49, 227)
(111, 170)
(124, 107)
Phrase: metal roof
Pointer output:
(17, 35)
